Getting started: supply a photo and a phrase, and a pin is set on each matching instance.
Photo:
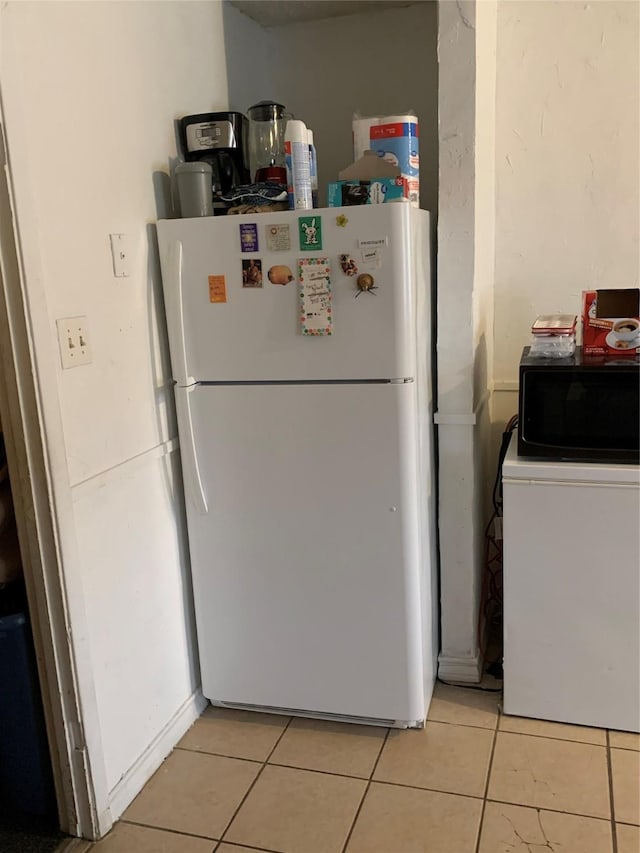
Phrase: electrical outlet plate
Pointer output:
(73, 337)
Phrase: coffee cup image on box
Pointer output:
(626, 330)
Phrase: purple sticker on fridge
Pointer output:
(249, 237)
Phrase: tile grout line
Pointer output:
(552, 737)
(546, 809)
(217, 754)
(366, 791)
(618, 746)
(422, 788)
(278, 764)
(464, 725)
(626, 749)
(184, 833)
(252, 785)
(444, 723)
(178, 832)
(246, 847)
(315, 770)
(486, 786)
(614, 829)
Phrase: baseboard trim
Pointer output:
(503, 385)
(130, 785)
(462, 670)
(74, 845)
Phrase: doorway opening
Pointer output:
(28, 806)
(46, 784)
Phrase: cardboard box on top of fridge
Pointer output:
(370, 180)
(376, 191)
(369, 166)
(611, 322)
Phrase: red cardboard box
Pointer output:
(611, 322)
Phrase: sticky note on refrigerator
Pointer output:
(314, 276)
(217, 288)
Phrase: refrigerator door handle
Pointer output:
(190, 470)
(175, 315)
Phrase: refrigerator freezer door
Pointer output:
(224, 331)
(306, 568)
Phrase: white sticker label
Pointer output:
(278, 238)
(373, 244)
(371, 257)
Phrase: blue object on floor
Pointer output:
(25, 767)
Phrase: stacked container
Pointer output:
(553, 336)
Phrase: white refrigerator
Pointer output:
(301, 354)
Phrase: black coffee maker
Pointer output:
(220, 139)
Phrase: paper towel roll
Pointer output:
(362, 135)
(395, 139)
(408, 118)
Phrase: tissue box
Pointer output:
(611, 322)
(374, 191)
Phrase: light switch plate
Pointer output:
(73, 337)
(121, 255)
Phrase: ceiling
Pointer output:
(274, 13)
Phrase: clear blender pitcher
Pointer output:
(267, 122)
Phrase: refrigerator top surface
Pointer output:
(529, 470)
(241, 291)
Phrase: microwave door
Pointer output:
(581, 414)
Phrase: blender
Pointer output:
(267, 122)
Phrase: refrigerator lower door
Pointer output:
(307, 563)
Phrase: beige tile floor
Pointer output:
(473, 781)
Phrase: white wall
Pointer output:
(90, 94)
(563, 217)
(250, 60)
(378, 63)
(484, 199)
(484, 274)
(567, 165)
(465, 319)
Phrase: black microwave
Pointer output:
(582, 408)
